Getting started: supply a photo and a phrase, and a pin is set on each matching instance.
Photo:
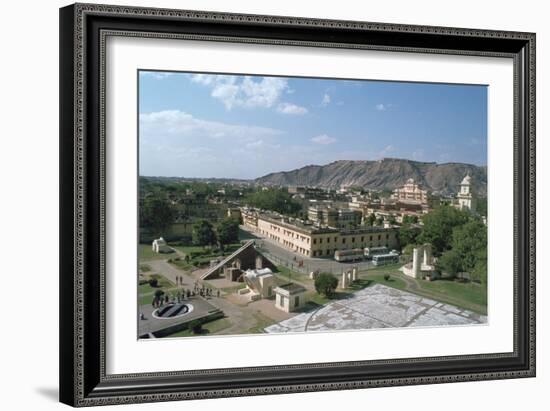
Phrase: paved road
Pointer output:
(170, 272)
(290, 259)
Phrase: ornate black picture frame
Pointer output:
(83, 30)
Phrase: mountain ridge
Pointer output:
(384, 174)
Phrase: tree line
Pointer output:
(458, 239)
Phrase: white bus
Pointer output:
(372, 251)
(384, 259)
(348, 255)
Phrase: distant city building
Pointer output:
(411, 192)
(289, 297)
(334, 217)
(234, 212)
(465, 196)
(304, 192)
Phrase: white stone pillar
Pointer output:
(344, 280)
(427, 254)
(354, 274)
(416, 263)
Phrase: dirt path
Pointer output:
(166, 269)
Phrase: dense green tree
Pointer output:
(156, 214)
(408, 235)
(326, 284)
(479, 273)
(228, 231)
(370, 219)
(438, 227)
(450, 263)
(481, 206)
(203, 233)
(468, 241)
(468, 251)
(410, 219)
(275, 200)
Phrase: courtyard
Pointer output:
(378, 306)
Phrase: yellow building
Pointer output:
(311, 241)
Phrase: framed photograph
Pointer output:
(261, 204)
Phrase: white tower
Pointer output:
(466, 200)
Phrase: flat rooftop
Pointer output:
(292, 288)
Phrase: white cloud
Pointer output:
(289, 108)
(181, 124)
(326, 100)
(248, 92)
(260, 144)
(340, 103)
(323, 139)
(384, 107)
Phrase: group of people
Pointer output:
(198, 289)
(203, 291)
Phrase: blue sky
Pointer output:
(208, 125)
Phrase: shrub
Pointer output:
(153, 282)
(159, 293)
(386, 277)
(143, 282)
(195, 326)
(326, 284)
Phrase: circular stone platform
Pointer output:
(171, 311)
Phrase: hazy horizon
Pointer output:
(307, 165)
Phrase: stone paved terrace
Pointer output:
(378, 306)
(201, 308)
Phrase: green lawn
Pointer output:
(471, 293)
(212, 327)
(204, 255)
(470, 296)
(146, 253)
(262, 322)
(186, 249)
(146, 292)
(394, 281)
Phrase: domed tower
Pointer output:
(466, 197)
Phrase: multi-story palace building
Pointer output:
(465, 196)
(334, 217)
(316, 241)
(411, 192)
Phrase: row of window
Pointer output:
(352, 239)
(330, 252)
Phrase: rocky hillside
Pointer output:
(388, 173)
